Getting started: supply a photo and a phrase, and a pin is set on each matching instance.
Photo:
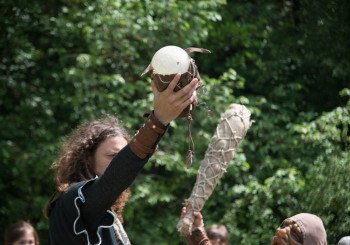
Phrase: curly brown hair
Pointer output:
(75, 163)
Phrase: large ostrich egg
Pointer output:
(170, 60)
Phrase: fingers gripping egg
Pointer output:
(170, 60)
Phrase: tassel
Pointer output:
(189, 157)
(190, 153)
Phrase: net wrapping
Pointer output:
(229, 133)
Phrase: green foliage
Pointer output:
(66, 62)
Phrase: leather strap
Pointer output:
(144, 142)
(199, 237)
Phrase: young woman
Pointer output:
(97, 165)
(21, 233)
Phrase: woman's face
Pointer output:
(106, 151)
(288, 233)
(27, 239)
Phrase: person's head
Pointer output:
(218, 234)
(344, 241)
(81, 155)
(88, 151)
(21, 233)
(303, 228)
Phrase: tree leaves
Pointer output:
(67, 62)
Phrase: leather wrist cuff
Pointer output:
(145, 139)
(199, 236)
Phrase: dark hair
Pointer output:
(75, 162)
(218, 232)
(17, 230)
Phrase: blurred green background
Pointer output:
(65, 62)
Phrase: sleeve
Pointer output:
(79, 225)
(67, 226)
(121, 172)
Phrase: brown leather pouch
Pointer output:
(162, 81)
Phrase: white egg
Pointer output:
(170, 60)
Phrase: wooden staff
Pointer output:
(221, 150)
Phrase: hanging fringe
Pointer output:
(190, 152)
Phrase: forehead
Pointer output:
(28, 235)
(116, 142)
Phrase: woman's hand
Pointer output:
(169, 104)
(198, 218)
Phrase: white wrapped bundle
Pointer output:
(221, 150)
